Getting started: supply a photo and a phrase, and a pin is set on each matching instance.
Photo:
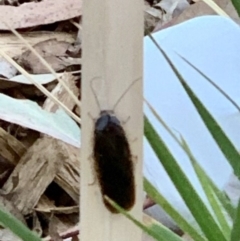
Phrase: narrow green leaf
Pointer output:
(188, 193)
(219, 212)
(225, 201)
(235, 104)
(220, 137)
(181, 222)
(204, 180)
(185, 147)
(17, 227)
(154, 229)
(222, 197)
(207, 181)
(235, 235)
(236, 4)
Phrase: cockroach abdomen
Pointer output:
(113, 162)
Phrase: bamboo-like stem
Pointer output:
(112, 56)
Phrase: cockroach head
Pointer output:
(106, 118)
(106, 113)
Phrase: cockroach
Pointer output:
(113, 159)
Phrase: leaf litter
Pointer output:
(40, 143)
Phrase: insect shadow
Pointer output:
(112, 156)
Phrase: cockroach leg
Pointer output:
(125, 121)
(90, 158)
(93, 182)
(91, 117)
(134, 159)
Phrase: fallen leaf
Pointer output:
(39, 13)
(52, 51)
(6, 69)
(173, 6)
(21, 79)
(11, 208)
(53, 229)
(200, 8)
(34, 172)
(14, 47)
(7, 235)
(27, 113)
(36, 224)
(59, 210)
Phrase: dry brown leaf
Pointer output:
(11, 208)
(71, 232)
(7, 235)
(200, 8)
(51, 50)
(39, 13)
(31, 91)
(163, 12)
(38, 167)
(53, 229)
(10, 148)
(75, 238)
(148, 202)
(6, 69)
(68, 174)
(36, 225)
(14, 47)
(34, 172)
(59, 210)
(61, 94)
(45, 203)
(47, 206)
(173, 7)
(11, 151)
(65, 223)
(150, 21)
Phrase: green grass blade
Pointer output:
(154, 229)
(225, 201)
(222, 197)
(204, 180)
(181, 222)
(212, 83)
(219, 212)
(235, 235)
(210, 185)
(236, 4)
(219, 136)
(17, 227)
(184, 187)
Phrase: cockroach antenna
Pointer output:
(119, 98)
(125, 92)
(94, 93)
